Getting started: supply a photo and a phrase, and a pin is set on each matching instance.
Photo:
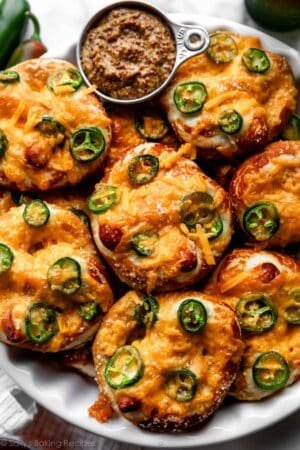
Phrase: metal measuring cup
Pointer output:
(189, 40)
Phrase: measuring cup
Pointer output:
(189, 40)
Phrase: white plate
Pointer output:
(69, 395)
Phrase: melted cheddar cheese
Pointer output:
(212, 354)
(244, 272)
(37, 161)
(180, 258)
(264, 100)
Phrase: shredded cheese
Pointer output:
(60, 90)
(234, 281)
(167, 160)
(201, 239)
(18, 112)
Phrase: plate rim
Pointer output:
(155, 439)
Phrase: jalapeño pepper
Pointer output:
(192, 315)
(12, 20)
(144, 243)
(190, 97)
(181, 385)
(31, 48)
(87, 144)
(270, 371)
(65, 276)
(41, 323)
(124, 368)
(291, 131)
(222, 48)
(261, 220)
(256, 60)
(143, 168)
(256, 313)
(146, 313)
(89, 310)
(292, 308)
(6, 258)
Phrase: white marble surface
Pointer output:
(61, 21)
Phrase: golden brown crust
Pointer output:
(180, 258)
(32, 160)
(274, 176)
(25, 283)
(212, 354)
(265, 101)
(244, 272)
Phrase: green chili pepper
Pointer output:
(270, 371)
(222, 48)
(256, 313)
(48, 126)
(146, 313)
(3, 143)
(9, 76)
(144, 243)
(261, 220)
(65, 276)
(291, 131)
(292, 308)
(6, 258)
(192, 315)
(196, 208)
(41, 324)
(36, 213)
(103, 199)
(87, 144)
(82, 215)
(12, 21)
(151, 125)
(230, 121)
(31, 48)
(256, 60)
(190, 97)
(89, 310)
(181, 385)
(124, 368)
(143, 168)
(65, 77)
(214, 228)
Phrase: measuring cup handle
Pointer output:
(190, 41)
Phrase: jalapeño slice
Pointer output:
(36, 213)
(291, 131)
(3, 143)
(151, 125)
(65, 77)
(214, 228)
(103, 199)
(143, 168)
(41, 324)
(6, 258)
(65, 276)
(190, 97)
(89, 310)
(230, 121)
(261, 220)
(292, 308)
(192, 315)
(146, 313)
(256, 60)
(87, 144)
(48, 126)
(124, 368)
(222, 48)
(256, 313)
(144, 243)
(9, 76)
(270, 371)
(196, 208)
(181, 385)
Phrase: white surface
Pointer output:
(67, 394)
